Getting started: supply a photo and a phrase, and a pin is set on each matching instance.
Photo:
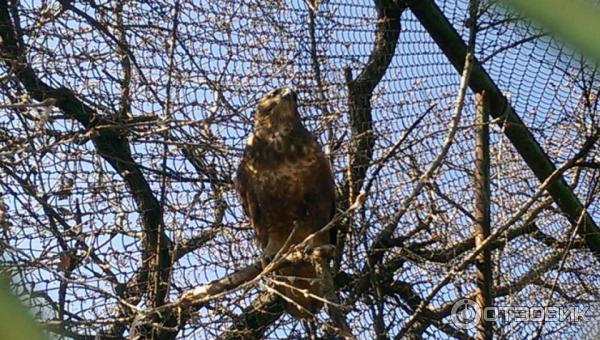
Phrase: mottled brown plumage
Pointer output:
(285, 181)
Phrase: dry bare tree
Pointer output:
(463, 139)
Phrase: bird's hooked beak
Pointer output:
(280, 102)
(289, 93)
(277, 112)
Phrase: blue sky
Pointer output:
(247, 52)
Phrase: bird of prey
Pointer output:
(287, 191)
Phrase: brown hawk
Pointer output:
(285, 184)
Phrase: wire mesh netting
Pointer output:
(181, 81)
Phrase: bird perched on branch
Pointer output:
(287, 190)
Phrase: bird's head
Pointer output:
(277, 110)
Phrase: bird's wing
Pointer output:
(250, 203)
(320, 198)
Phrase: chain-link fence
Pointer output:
(122, 121)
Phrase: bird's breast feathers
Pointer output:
(280, 162)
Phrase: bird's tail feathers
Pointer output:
(302, 289)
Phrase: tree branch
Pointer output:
(110, 143)
(440, 29)
(256, 318)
